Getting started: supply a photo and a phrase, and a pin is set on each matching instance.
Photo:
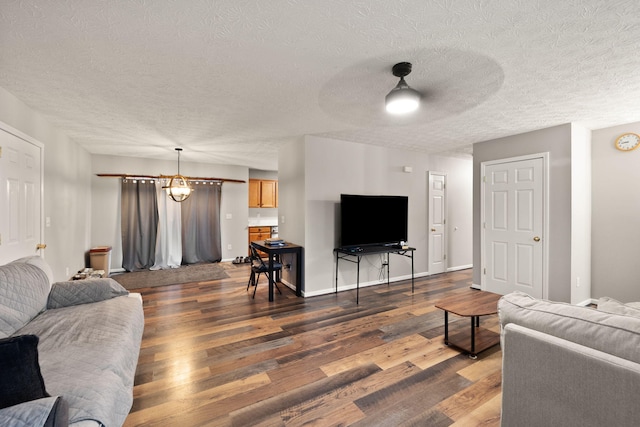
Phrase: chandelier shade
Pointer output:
(178, 188)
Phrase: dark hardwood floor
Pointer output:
(212, 356)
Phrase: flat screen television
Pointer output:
(372, 220)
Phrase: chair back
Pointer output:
(256, 259)
(258, 263)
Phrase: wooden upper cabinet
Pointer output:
(269, 194)
(254, 193)
(263, 193)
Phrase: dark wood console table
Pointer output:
(273, 252)
(355, 255)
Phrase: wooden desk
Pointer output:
(274, 252)
(471, 304)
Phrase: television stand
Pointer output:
(356, 254)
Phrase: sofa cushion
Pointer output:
(20, 377)
(548, 381)
(610, 333)
(39, 262)
(24, 289)
(65, 294)
(610, 305)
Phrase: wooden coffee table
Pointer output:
(471, 304)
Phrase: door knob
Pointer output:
(433, 229)
(536, 239)
(40, 246)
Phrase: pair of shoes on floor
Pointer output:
(238, 260)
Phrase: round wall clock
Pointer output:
(628, 141)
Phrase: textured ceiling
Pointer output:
(233, 80)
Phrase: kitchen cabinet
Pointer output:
(263, 193)
(259, 233)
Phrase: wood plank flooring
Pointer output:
(213, 356)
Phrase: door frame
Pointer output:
(545, 216)
(445, 235)
(4, 127)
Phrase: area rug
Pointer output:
(172, 276)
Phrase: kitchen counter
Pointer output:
(263, 222)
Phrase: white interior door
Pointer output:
(437, 223)
(514, 224)
(21, 195)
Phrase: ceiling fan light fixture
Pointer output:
(178, 189)
(402, 99)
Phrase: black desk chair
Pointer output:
(258, 267)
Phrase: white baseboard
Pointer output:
(460, 267)
(288, 285)
(353, 286)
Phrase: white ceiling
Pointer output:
(231, 81)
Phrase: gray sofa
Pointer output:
(88, 341)
(566, 365)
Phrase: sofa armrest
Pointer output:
(548, 381)
(65, 294)
(47, 411)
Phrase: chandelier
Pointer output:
(178, 189)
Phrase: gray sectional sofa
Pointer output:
(566, 365)
(88, 336)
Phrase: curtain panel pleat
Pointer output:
(139, 222)
(201, 240)
(169, 236)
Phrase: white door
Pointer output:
(513, 206)
(436, 223)
(21, 195)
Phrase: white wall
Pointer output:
(557, 142)
(616, 216)
(291, 196)
(328, 168)
(67, 189)
(580, 215)
(105, 209)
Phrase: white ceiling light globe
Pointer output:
(402, 99)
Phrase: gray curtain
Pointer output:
(139, 217)
(201, 224)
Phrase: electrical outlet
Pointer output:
(229, 247)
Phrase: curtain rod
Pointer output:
(188, 178)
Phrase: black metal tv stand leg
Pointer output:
(358, 282)
(412, 274)
(337, 258)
